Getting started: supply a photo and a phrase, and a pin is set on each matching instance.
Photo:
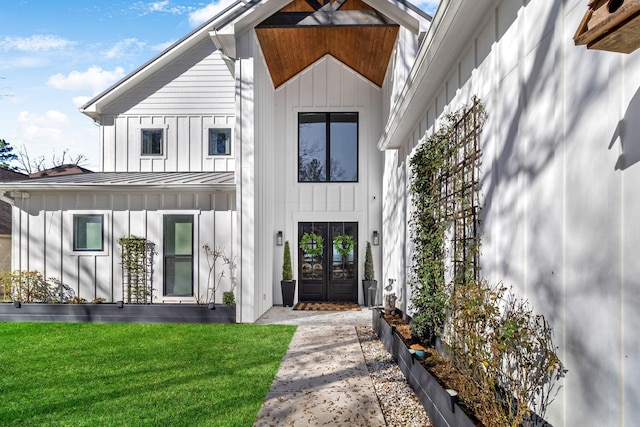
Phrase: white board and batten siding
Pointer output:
(48, 245)
(328, 86)
(196, 92)
(560, 175)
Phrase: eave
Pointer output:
(349, 30)
(452, 28)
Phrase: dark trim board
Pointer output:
(110, 313)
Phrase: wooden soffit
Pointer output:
(349, 30)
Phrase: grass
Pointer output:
(84, 374)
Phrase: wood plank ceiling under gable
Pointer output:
(305, 31)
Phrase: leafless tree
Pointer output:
(29, 165)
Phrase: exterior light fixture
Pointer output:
(279, 238)
(376, 238)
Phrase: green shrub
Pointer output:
(228, 298)
(369, 273)
(287, 271)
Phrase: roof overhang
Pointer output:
(124, 181)
(452, 28)
(360, 34)
(217, 24)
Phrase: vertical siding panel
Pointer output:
(109, 144)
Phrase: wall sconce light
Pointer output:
(279, 238)
(376, 238)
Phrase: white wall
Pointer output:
(195, 92)
(559, 180)
(327, 85)
(47, 247)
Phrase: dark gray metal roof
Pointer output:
(126, 181)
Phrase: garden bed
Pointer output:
(111, 313)
(440, 402)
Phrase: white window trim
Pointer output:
(165, 137)
(159, 268)
(206, 140)
(106, 232)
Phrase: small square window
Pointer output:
(87, 233)
(152, 142)
(219, 142)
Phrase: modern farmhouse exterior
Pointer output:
(200, 146)
(294, 116)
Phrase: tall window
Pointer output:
(219, 142)
(328, 147)
(178, 255)
(152, 142)
(87, 233)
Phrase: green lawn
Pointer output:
(83, 374)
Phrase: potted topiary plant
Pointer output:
(287, 283)
(369, 277)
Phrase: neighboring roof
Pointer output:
(69, 169)
(6, 175)
(126, 181)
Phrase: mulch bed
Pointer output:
(327, 306)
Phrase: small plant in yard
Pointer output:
(213, 279)
(228, 297)
(32, 287)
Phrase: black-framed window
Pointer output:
(152, 142)
(178, 255)
(88, 232)
(327, 147)
(219, 141)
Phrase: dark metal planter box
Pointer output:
(437, 402)
(110, 313)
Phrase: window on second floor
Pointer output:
(327, 147)
(219, 141)
(152, 142)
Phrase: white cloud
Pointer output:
(36, 43)
(429, 6)
(95, 79)
(200, 16)
(34, 129)
(123, 47)
(79, 101)
(162, 46)
(51, 133)
(164, 6)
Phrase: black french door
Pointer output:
(328, 275)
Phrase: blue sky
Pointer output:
(56, 55)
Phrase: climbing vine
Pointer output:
(501, 348)
(443, 189)
(137, 269)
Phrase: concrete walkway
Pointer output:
(323, 379)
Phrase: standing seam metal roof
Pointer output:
(130, 180)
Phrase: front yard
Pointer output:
(85, 374)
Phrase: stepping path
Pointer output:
(323, 380)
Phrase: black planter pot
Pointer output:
(288, 291)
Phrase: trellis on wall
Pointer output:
(137, 270)
(458, 182)
(444, 188)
